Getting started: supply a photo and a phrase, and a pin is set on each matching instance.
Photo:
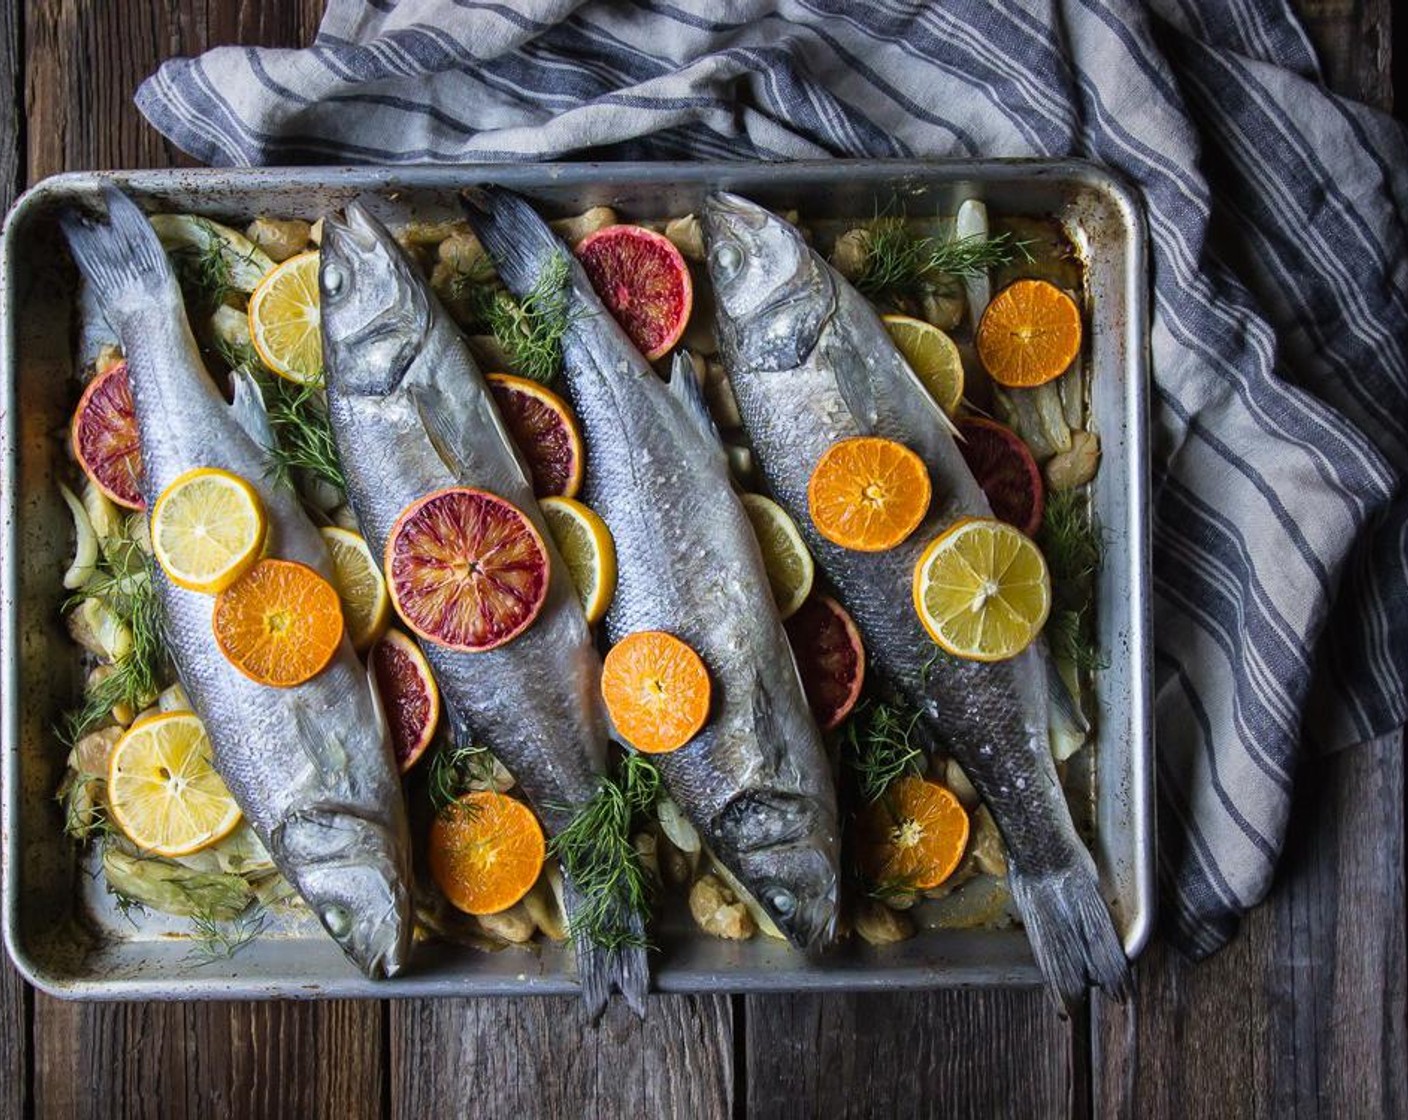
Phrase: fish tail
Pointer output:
(602, 969)
(1071, 933)
(121, 257)
(519, 241)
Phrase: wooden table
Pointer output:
(1303, 1015)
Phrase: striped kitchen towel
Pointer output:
(1280, 284)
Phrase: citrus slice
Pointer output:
(279, 624)
(408, 695)
(105, 440)
(656, 690)
(830, 658)
(485, 852)
(208, 529)
(643, 281)
(284, 321)
(789, 564)
(545, 431)
(1005, 469)
(932, 355)
(868, 493)
(163, 790)
(586, 547)
(466, 569)
(1029, 334)
(912, 837)
(982, 590)
(366, 605)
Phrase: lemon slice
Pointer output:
(588, 550)
(932, 355)
(207, 529)
(789, 564)
(366, 604)
(982, 590)
(284, 321)
(163, 790)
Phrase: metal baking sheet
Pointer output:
(60, 929)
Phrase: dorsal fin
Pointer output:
(688, 393)
(249, 411)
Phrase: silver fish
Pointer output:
(310, 766)
(810, 364)
(755, 780)
(411, 414)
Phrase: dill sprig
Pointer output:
(302, 431)
(135, 678)
(530, 330)
(1074, 547)
(215, 940)
(879, 747)
(600, 860)
(454, 767)
(204, 273)
(901, 264)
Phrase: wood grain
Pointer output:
(1354, 39)
(538, 1058)
(1303, 1014)
(208, 1061)
(941, 1054)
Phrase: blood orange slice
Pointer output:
(105, 440)
(1006, 471)
(466, 569)
(830, 657)
(545, 431)
(643, 281)
(408, 693)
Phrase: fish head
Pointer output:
(781, 845)
(374, 307)
(773, 294)
(349, 871)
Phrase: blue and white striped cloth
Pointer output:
(1280, 280)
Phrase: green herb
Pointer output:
(135, 678)
(905, 886)
(937, 656)
(530, 330)
(903, 265)
(454, 767)
(1074, 547)
(466, 282)
(204, 273)
(302, 431)
(215, 940)
(238, 355)
(127, 906)
(600, 860)
(878, 747)
(1068, 634)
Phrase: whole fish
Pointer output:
(755, 781)
(310, 766)
(810, 364)
(411, 414)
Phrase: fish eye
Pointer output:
(333, 279)
(337, 920)
(782, 901)
(728, 258)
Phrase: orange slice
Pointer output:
(279, 624)
(1029, 334)
(868, 493)
(656, 689)
(486, 852)
(913, 836)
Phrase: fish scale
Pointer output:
(311, 766)
(810, 363)
(755, 780)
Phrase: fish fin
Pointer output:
(328, 756)
(1065, 702)
(518, 240)
(249, 410)
(121, 257)
(1072, 934)
(688, 393)
(600, 970)
(447, 438)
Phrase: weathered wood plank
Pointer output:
(1304, 1013)
(1355, 43)
(538, 1058)
(208, 1061)
(940, 1054)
